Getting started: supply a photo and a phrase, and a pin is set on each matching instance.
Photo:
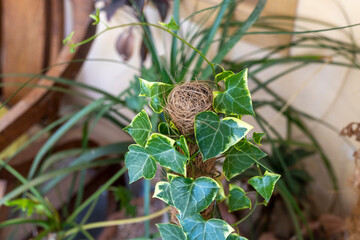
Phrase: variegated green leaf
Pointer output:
(158, 93)
(139, 163)
(162, 192)
(140, 128)
(238, 199)
(257, 137)
(265, 185)
(223, 75)
(171, 232)
(236, 98)
(181, 142)
(196, 228)
(234, 236)
(161, 148)
(215, 136)
(240, 158)
(190, 197)
(220, 196)
(165, 129)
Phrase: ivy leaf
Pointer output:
(165, 129)
(68, 38)
(96, 17)
(171, 25)
(238, 199)
(265, 185)
(170, 231)
(157, 91)
(139, 163)
(223, 75)
(140, 128)
(238, 159)
(161, 148)
(190, 197)
(196, 228)
(181, 142)
(214, 136)
(162, 192)
(29, 206)
(236, 99)
(234, 236)
(220, 196)
(257, 137)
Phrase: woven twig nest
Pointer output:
(185, 102)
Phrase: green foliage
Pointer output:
(124, 197)
(161, 148)
(223, 75)
(234, 236)
(236, 99)
(190, 196)
(140, 128)
(29, 206)
(162, 192)
(238, 199)
(96, 17)
(215, 136)
(157, 91)
(139, 163)
(257, 137)
(265, 185)
(171, 25)
(197, 228)
(240, 158)
(171, 231)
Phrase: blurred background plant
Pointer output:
(216, 32)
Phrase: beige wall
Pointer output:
(328, 92)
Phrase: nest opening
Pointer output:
(185, 102)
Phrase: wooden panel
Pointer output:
(243, 10)
(23, 41)
(32, 107)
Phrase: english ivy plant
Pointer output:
(218, 134)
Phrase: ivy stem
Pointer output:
(117, 222)
(74, 45)
(247, 216)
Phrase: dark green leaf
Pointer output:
(162, 192)
(236, 99)
(157, 91)
(257, 137)
(171, 232)
(139, 163)
(161, 148)
(140, 128)
(165, 129)
(238, 159)
(215, 136)
(196, 228)
(171, 25)
(190, 197)
(265, 185)
(238, 199)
